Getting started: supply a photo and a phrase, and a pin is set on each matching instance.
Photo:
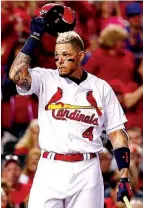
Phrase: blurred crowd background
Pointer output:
(113, 35)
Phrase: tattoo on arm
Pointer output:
(19, 71)
(23, 82)
(124, 173)
(119, 139)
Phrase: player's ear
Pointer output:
(81, 55)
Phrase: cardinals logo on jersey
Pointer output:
(93, 102)
(64, 110)
(56, 97)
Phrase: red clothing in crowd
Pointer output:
(84, 14)
(19, 193)
(108, 67)
(104, 22)
(21, 151)
(15, 24)
(110, 203)
(30, 178)
(44, 52)
(134, 114)
(7, 43)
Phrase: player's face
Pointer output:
(67, 59)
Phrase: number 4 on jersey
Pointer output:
(88, 133)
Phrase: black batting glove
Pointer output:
(37, 27)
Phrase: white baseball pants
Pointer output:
(59, 184)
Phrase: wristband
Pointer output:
(122, 156)
(30, 45)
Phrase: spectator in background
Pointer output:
(107, 173)
(44, 53)
(21, 21)
(107, 12)
(111, 60)
(8, 89)
(4, 195)
(135, 28)
(7, 138)
(110, 201)
(30, 166)
(136, 136)
(130, 96)
(4, 199)
(11, 171)
(137, 203)
(134, 102)
(15, 30)
(136, 149)
(8, 34)
(93, 45)
(29, 139)
(15, 25)
(136, 167)
(140, 70)
(84, 13)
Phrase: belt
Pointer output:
(68, 157)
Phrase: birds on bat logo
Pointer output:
(56, 97)
(53, 103)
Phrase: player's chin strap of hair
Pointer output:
(122, 155)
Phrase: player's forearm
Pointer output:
(119, 140)
(19, 71)
(124, 173)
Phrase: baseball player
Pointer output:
(74, 108)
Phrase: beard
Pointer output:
(67, 74)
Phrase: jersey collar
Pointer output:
(78, 81)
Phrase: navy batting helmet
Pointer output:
(58, 18)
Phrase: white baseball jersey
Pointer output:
(71, 116)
